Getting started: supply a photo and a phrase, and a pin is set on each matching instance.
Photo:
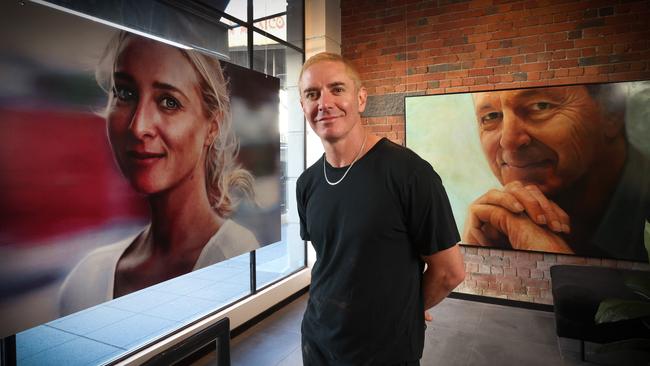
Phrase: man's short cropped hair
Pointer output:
(333, 57)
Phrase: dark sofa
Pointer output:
(577, 292)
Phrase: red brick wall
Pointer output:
(436, 47)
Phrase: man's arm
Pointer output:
(445, 270)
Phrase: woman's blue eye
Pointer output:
(169, 103)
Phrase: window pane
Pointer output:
(283, 19)
(288, 255)
(277, 260)
(236, 8)
(237, 44)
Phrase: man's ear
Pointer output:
(213, 129)
(362, 95)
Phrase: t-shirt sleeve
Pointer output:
(431, 223)
(301, 203)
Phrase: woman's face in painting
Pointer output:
(157, 126)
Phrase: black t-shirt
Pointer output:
(369, 233)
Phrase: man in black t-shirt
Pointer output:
(375, 213)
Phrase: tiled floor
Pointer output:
(463, 333)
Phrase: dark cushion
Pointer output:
(577, 292)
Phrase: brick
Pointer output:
(485, 252)
(496, 261)
(559, 45)
(460, 89)
(603, 12)
(539, 66)
(544, 265)
(443, 67)
(551, 258)
(455, 41)
(576, 34)
(494, 286)
(496, 270)
(471, 267)
(565, 259)
(537, 283)
(520, 76)
(496, 252)
(480, 72)
(512, 288)
(523, 272)
(594, 60)
(481, 284)
(563, 64)
(591, 23)
(536, 274)
(542, 300)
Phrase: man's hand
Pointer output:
(518, 216)
(427, 316)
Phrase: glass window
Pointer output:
(236, 8)
(279, 259)
(282, 19)
(238, 44)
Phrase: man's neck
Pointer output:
(342, 152)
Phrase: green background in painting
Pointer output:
(442, 129)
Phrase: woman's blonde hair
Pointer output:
(225, 179)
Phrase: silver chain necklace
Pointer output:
(348, 169)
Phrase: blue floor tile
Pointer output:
(133, 331)
(77, 352)
(184, 309)
(220, 273)
(222, 291)
(182, 285)
(141, 301)
(90, 320)
(38, 339)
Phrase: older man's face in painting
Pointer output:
(549, 137)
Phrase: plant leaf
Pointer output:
(613, 310)
(639, 282)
